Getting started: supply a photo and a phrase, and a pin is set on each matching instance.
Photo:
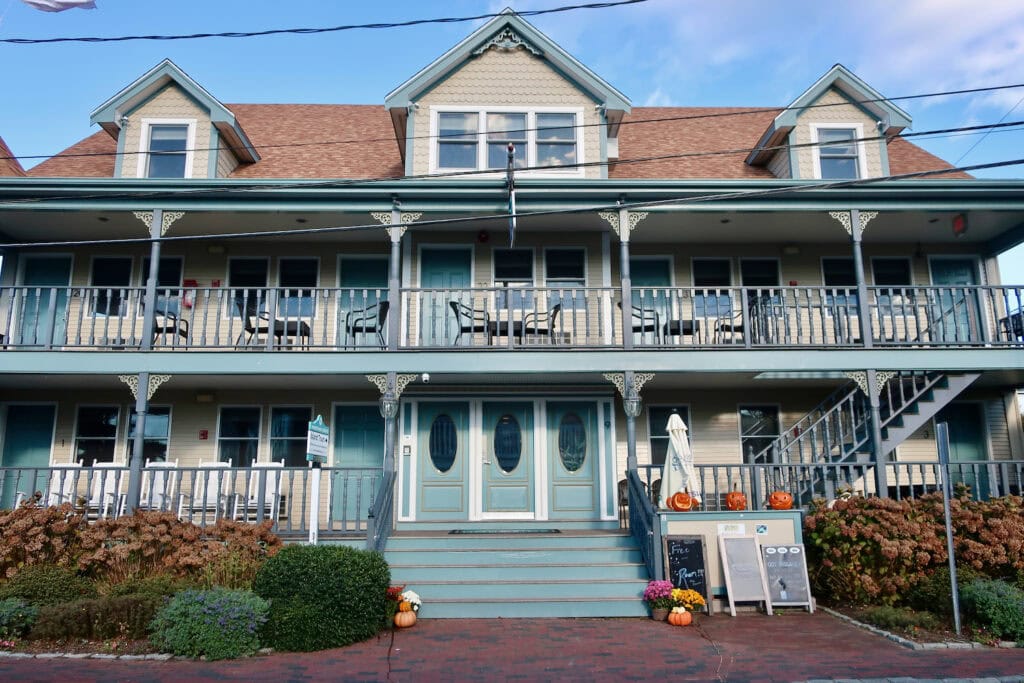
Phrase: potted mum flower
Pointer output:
(658, 596)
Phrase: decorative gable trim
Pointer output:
(507, 39)
(891, 120)
(109, 114)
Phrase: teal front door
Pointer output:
(28, 440)
(44, 307)
(573, 443)
(508, 487)
(444, 275)
(955, 311)
(358, 443)
(442, 460)
(967, 445)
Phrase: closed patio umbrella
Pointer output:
(677, 473)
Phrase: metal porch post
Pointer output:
(631, 461)
(863, 311)
(881, 477)
(390, 394)
(394, 284)
(627, 294)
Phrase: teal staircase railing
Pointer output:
(379, 520)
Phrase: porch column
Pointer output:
(629, 384)
(872, 382)
(391, 387)
(142, 387)
(855, 222)
(623, 222)
(399, 223)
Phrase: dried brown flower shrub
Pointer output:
(38, 535)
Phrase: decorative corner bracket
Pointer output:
(133, 384)
(633, 219)
(384, 218)
(165, 225)
(882, 378)
(844, 219)
(506, 39)
(619, 380)
(401, 382)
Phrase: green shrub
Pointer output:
(995, 605)
(323, 596)
(934, 593)
(900, 618)
(125, 616)
(218, 623)
(158, 585)
(16, 617)
(235, 570)
(46, 584)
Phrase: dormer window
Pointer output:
(168, 149)
(478, 140)
(838, 154)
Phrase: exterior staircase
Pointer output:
(573, 573)
(918, 399)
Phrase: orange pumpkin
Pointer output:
(405, 606)
(680, 618)
(405, 619)
(780, 500)
(735, 500)
(682, 501)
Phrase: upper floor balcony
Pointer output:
(509, 318)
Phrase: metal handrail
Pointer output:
(380, 514)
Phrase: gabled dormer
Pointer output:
(838, 129)
(168, 126)
(507, 82)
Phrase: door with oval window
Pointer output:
(441, 460)
(573, 443)
(508, 486)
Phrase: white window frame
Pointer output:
(529, 288)
(577, 171)
(270, 427)
(122, 308)
(858, 134)
(650, 427)
(190, 144)
(75, 437)
(259, 429)
(739, 423)
(129, 439)
(314, 290)
(230, 311)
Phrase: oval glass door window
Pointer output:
(572, 441)
(444, 443)
(508, 443)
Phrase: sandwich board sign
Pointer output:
(743, 567)
(786, 569)
(318, 439)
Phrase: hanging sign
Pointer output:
(318, 439)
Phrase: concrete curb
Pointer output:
(909, 644)
(85, 655)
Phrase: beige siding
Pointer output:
(169, 103)
(779, 164)
(841, 113)
(506, 79)
(226, 161)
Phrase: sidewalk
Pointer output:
(750, 647)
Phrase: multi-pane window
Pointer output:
(96, 434)
(156, 434)
(457, 140)
(837, 154)
(111, 275)
(895, 274)
(564, 273)
(759, 427)
(238, 435)
(503, 129)
(168, 151)
(247, 278)
(840, 283)
(709, 273)
(297, 277)
(288, 429)
(168, 273)
(556, 139)
(480, 140)
(513, 270)
(657, 417)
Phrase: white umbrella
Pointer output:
(677, 473)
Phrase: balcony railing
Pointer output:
(502, 318)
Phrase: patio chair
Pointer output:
(470, 320)
(257, 324)
(160, 483)
(1011, 327)
(63, 482)
(248, 507)
(208, 493)
(167, 319)
(105, 489)
(541, 323)
(369, 320)
(645, 321)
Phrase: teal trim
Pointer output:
(427, 78)
(119, 159)
(211, 164)
(409, 141)
(154, 80)
(796, 516)
(794, 157)
(883, 154)
(848, 83)
(603, 136)
(1006, 241)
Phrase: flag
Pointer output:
(60, 5)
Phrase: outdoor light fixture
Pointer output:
(631, 403)
(959, 225)
(388, 406)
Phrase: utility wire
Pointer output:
(329, 29)
(627, 122)
(418, 225)
(982, 138)
(489, 173)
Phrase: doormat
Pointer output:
(505, 531)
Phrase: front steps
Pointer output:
(575, 573)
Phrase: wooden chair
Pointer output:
(208, 493)
(248, 507)
(160, 484)
(369, 320)
(470, 320)
(105, 490)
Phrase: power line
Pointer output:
(627, 122)
(982, 138)
(310, 31)
(489, 173)
(742, 194)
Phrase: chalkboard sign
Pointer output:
(743, 567)
(686, 564)
(786, 569)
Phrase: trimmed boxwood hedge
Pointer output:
(322, 597)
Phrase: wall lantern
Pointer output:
(388, 405)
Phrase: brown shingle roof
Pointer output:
(8, 164)
(311, 141)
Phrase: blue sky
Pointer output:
(662, 52)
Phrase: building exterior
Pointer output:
(783, 279)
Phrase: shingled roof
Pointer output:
(8, 164)
(357, 141)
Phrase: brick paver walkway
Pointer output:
(750, 647)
